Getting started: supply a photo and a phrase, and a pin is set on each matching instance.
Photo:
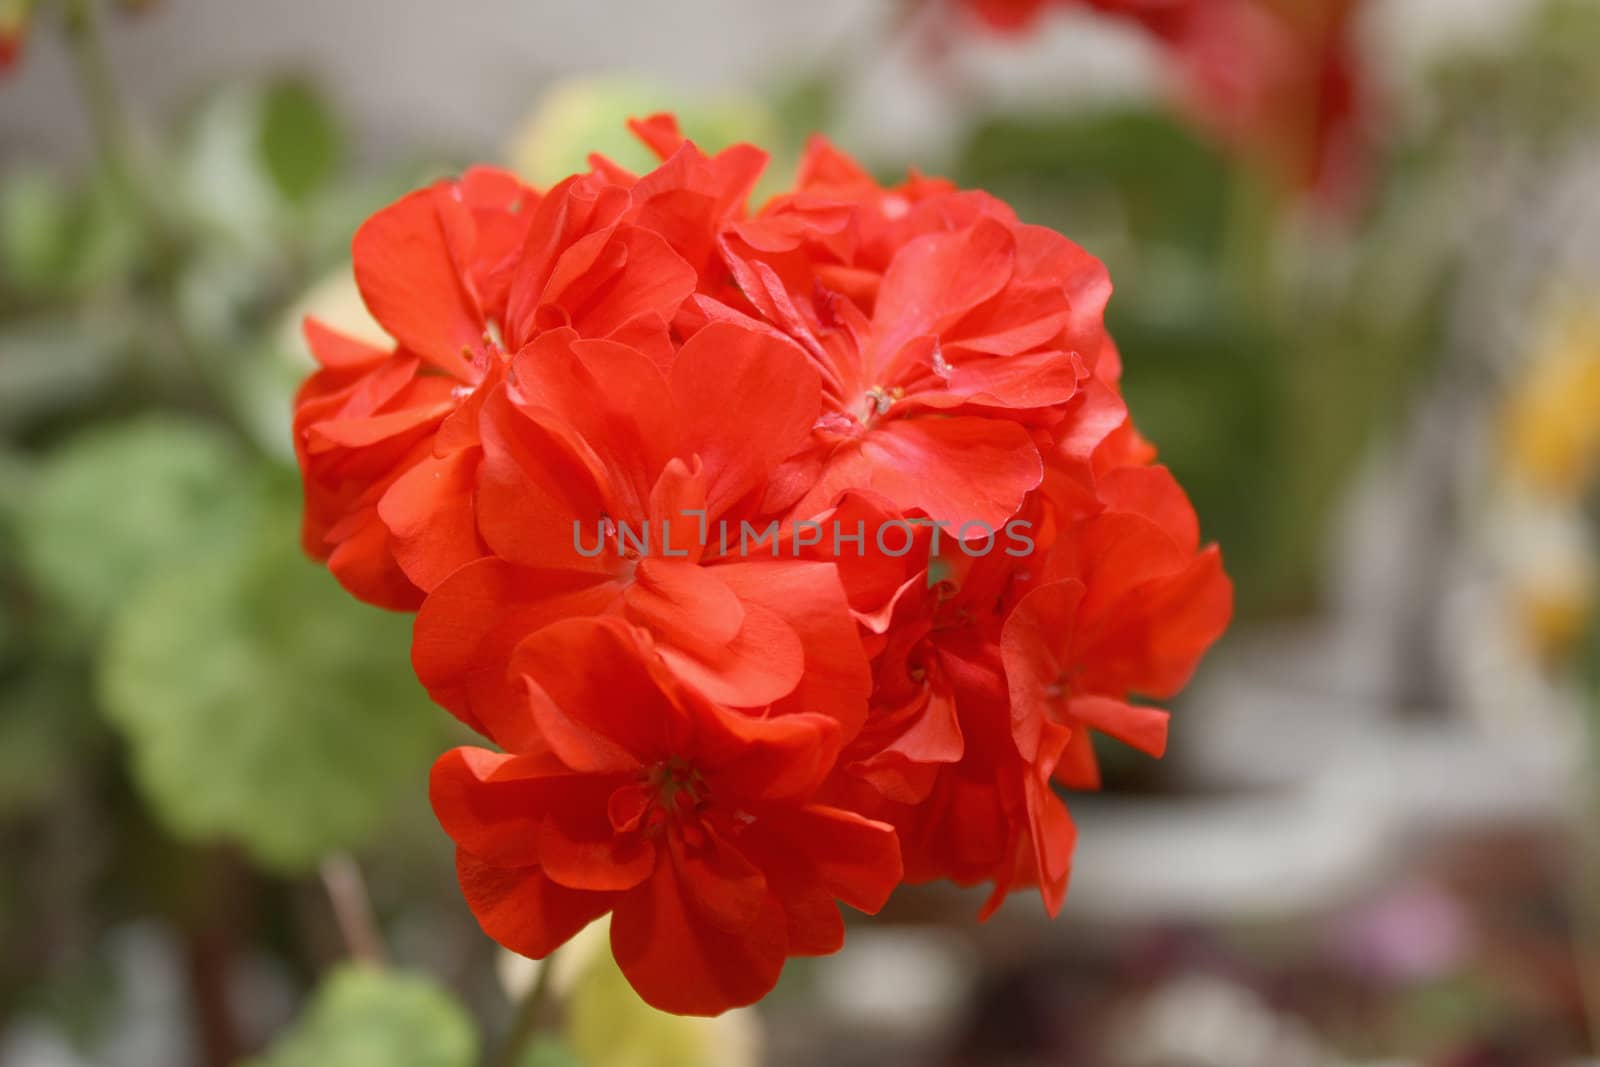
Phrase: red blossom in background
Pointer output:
(14, 16)
(1279, 79)
(714, 739)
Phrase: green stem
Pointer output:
(116, 146)
(530, 1018)
(113, 134)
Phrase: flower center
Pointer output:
(879, 400)
(479, 360)
(677, 786)
(1061, 689)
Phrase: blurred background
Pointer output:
(1357, 258)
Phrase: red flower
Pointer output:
(1276, 79)
(971, 327)
(694, 825)
(1143, 604)
(784, 555)
(14, 16)
(610, 487)
(1282, 82)
(462, 275)
(10, 49)
(1009, 16)
(937, 758)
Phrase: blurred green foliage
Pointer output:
(176, 679)
(1180, 231)
(300, 140)
(367, 1018)
(263, 704)
(1264, 350)
(123, 501)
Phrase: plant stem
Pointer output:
(116, 147)
(529, 1018)
(352, 909)
(215, 907)
(1585, 915)
(112, 132)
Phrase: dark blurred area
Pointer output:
(1358, 303)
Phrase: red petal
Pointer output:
(781, 758)
(537, 501)
(1042, 253)
(659, 132)
(578, 209)
(855, 858)
(371, 430)
(578, 847)
(679, 962)
(1029, 380)
(1139, 727)
(364, 564)
(683, 603)
(429, 513)
(763, 663)
(725, 888)
(489, 802)
(1037, 637)
(935, 279)
(646, 277)
(466, 631)
(411, 281)
(809, 598)
(610, 406)
(1053, 838)
(597, 703)
(957, 470)
(1021, 317)
(333, 349)
(526, 811)
(522, 909)
(1078, 767)
(748, 402)
(1153, 493)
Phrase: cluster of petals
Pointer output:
(597, 394)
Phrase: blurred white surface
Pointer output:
(459, 76)
(411, 72)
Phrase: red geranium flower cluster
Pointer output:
(1280, 78)
(783, 556)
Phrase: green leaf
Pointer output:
(123, 501)
(220, 184)
(299, 140)
(265, 705)
(362, 1017)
